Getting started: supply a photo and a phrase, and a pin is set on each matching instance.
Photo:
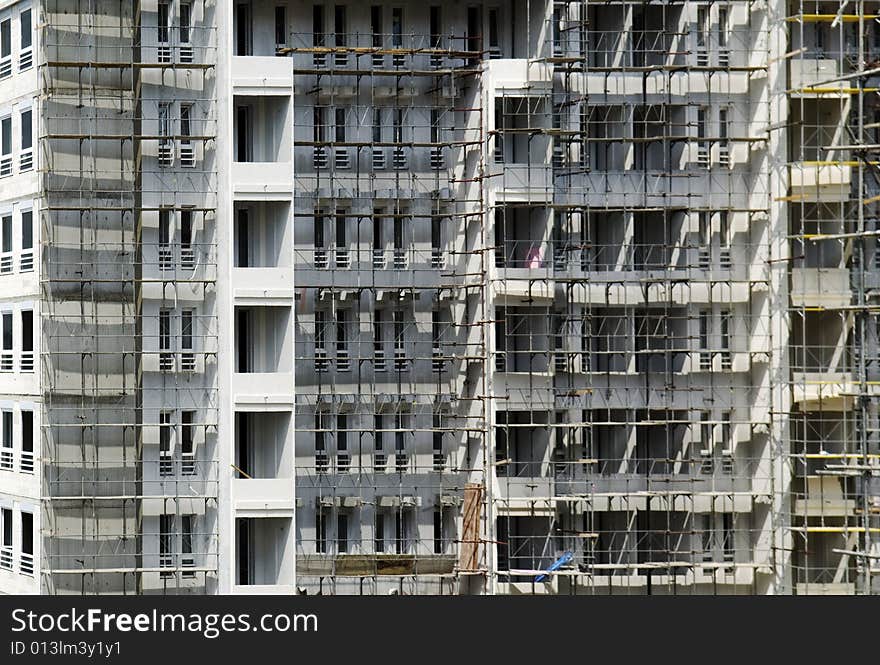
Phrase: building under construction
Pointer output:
(516, 297)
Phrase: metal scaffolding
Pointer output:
(129, 334)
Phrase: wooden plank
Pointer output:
(471, 510)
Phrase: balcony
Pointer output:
(811, 78)
(270, 181)
(262, 168)
(522, 183)
(820, 287)
(263, 286)
(824, 497)
(521, 286)
(263, 497)
(825, 589)
(823, 391)
(820, 181)
(269, 390)
(264, 553)
(262, 75)
(519, 74)
(263, 356)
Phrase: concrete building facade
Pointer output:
(371, 298)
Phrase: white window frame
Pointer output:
(7, 556)
(25, 155)
(6, 168)
(25, 53)
(6, 60)
(26, 564)
(184, 33)
(26, 254)
(7, 354)
(27, 359)
(7, 443)
(187, 351)
(26, 460)
(7, 238)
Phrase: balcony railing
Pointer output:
(26, 564)
(26, 260)
(6, 558)
(25, 59)
(6, 459)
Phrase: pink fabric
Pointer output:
(533, 259)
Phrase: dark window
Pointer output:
(27, 130)
(7, 331)
(342, 533)
(340, 125)
(319, 134)
(243, 244)
(166, 539)
(7, 429)
(474, 31)
(186, 533)
(185, 21)
(340, 229)
(242, 29)
(165, 434)
(6, 519)
(186, 229)
(243, 333)
(5, 38)
(377, 125)
(27, 533)
(27, 30)
(244, 551)
(6, 230)
(397, 27)
(185, 125)
(164, 226)
(164, 329)
(243, 144)
(27, 229)
(162, 21)
(438, 531)
(6, 136)
(187, 428)
(435, 26)
(27, 330)
(186, 329)
(339, 24)
(280, 26)
(494, 44)
(27, 431)
(318, 25)
(380, 532)
(376, 25)
(436, 232)
(320, 531)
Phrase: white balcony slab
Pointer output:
(263, 181)
(262, 75)
(263, 286)
(820, 181)
(520, 74)
(263, 497)
(820, 287)
(272, 391)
